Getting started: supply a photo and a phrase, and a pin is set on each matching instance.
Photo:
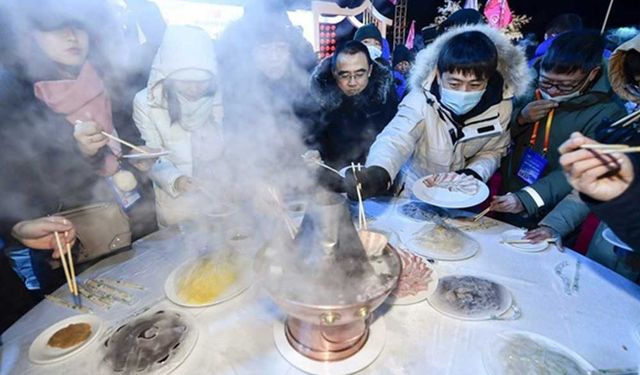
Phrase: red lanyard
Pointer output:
(547, 132)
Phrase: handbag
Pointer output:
(101, 228)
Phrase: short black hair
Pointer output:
(351, 47)
(563, 23)
(573, 51)
(469, 52)
(631, 65)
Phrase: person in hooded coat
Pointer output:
(354, 108)
(181, 112)
(462, 127)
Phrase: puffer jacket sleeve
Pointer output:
(398, 140)
(567, 215)
(552, 188)
(163, 173)
(487, 160)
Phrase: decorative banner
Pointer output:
(498, 13)
(327, 39)
(411, 36)
(471, 4)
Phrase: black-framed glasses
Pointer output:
(565, 87)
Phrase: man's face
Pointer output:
(352, 73)
(403, 67)
(372, 42)
(272, 59)
(459, 81)
(556, 84)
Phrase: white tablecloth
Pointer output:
(600, 322)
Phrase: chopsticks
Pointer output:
(291, 228)
(323, 165)
(612, 148)
(481, 214)
(626, 120)
(362, 218)
(122, 141)
(69, 269)
(511, 242)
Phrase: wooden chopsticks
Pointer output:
(626, 120)
(612, 148)
(122, 141)
(510, 242)
(69, 269)
(481, 214)
(362, 218)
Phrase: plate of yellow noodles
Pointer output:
(208, 280)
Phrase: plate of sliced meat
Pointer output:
(450, 190)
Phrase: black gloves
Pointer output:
(374, 181)
(331, 180)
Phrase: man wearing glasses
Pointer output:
(356, 96)
(572, 95)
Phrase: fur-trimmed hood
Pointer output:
(512, 63)
(616, 69)
(326, 93)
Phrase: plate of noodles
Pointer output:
(527, 353)
(443, 242)
(209, 280)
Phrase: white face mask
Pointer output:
(374, 52)
(559, 98)
(460, 102)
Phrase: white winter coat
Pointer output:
(183, 47)
(417, 142)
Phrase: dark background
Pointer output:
(623, 13)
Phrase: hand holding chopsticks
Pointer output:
(591, 171)
(362, 218)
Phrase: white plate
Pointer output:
(494, 365)
(419, 296)
(442, 197)
(518, 234)
(438, 302)
(362, 359)
(242, 283)
(613, 239)
(41, 353)
(179, 355)
(469, 249)
(150, 155)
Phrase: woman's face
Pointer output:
(67, 46)
(192, 90)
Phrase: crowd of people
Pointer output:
(73, 79)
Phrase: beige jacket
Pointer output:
(418, 141)
(183, 47)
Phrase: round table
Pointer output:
(599, 321)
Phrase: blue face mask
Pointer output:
(460, 102)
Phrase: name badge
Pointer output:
(532, 166)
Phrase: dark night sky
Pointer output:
(624, 12)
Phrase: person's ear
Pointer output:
(370, 70)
